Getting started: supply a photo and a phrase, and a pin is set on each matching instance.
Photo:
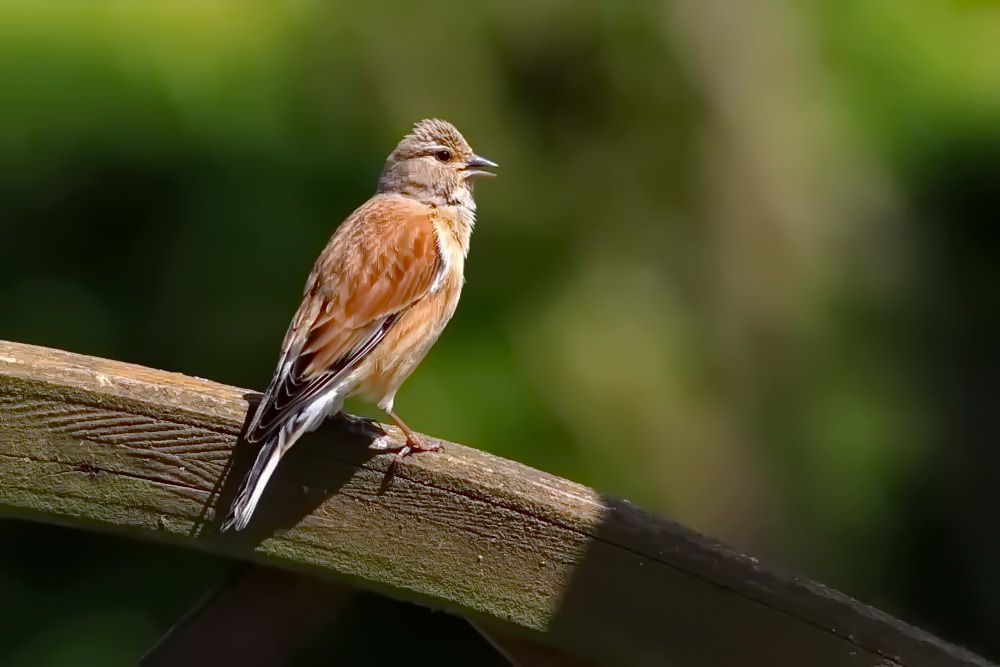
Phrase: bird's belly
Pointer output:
(407, 343)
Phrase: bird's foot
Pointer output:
(414, 442)
(413, 445)
(416, 445)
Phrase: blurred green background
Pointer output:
(741, 264)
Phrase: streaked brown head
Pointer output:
(434, 164)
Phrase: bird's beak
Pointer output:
(474, 167)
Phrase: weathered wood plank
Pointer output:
(118, 447)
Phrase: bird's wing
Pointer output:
(382, 260)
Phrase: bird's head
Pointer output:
(435, 164)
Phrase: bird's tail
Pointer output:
(255, 481)
(275, 443)
(263, 467)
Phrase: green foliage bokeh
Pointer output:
(732, 269)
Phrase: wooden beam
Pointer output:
(117, 447)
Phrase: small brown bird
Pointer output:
(377, 299)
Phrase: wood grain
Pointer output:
(117, 447)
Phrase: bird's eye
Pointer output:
(443, 156)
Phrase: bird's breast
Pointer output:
(413, 335)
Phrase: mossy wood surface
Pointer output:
(116, 447)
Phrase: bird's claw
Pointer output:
(416, 446)
(411, 446)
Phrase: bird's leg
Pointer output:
(414, 443)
